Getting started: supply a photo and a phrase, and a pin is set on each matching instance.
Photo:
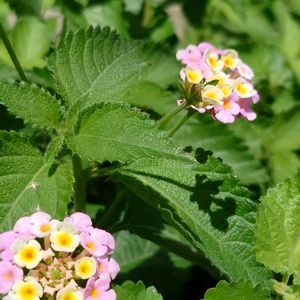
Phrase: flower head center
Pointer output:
(27, 291)
(45, 228)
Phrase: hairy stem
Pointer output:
(180, 123)
(113, 208)
(164, 120)
(12, 53)
(79, 185)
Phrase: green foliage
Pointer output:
(28, 182)
(95, 66)
(131, 291)
(114, 131)
(206, 204)
(222, 141)
(176, 205)
(236, 291)
(277, 230)
(21, 98)
(30, 39)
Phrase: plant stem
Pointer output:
(147, 13)
(79, 185)
(164, 120)
(180, 123)
(110, 212)
(12, 53)
(285, 278)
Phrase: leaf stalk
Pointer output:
(12, 53)
(164, 120)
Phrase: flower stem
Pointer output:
(113, 208)
(79, 185)
(12, 53)
(164, 120)
(180, 123)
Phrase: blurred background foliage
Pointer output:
(267, 35)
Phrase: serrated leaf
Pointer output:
(142, 219)
(31, 104)
(114, 131)
(133, 291)
(28, 182)
(277, 230)
(236, 291)
(219, 139)
(206, 204)
(30, 39)
(97, 65)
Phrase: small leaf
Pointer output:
(28, 182)
(131, 291)
(277, 229)
(115, 131)
(236, 291)
(97, 65)
(31, 104)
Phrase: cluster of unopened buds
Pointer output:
(43, 258)
(217, 81)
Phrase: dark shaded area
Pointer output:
(172, 282)
(219, 210)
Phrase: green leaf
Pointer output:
(221, 140)
(131, 291)
(31, 104)
(28, 182)
(206, 204)
(149, 95)
(236, 291)
(132, 250)
(107, 14)
(277, 231)
(30, 39)
(284, 164)
(284, 131)
(289, 29)
(142, 219)
(114, 131)
(97, 65)
(22, 7)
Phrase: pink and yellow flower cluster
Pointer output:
(43, 258)
(217, 81)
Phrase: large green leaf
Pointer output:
(114, 131)
(277, 230)
(97, 65)
(142, 219)
(214, 136)
(31, 104)
(206, 204)
(131, 291)
(236, 291)
(30, 39)
(28, 182)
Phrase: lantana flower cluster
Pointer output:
(217, 81)
(43, 258)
